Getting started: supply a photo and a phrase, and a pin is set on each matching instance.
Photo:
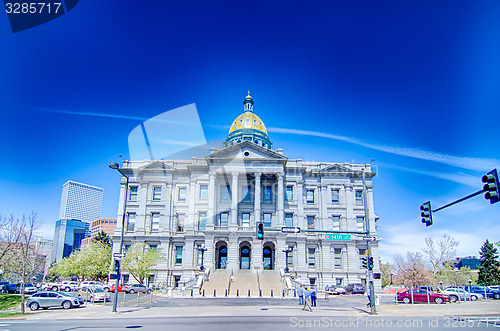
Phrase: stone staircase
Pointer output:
(218, 281)
(270, 280)
(245, 280)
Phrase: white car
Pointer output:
(92, 283)
(69, 286)
(456, 294)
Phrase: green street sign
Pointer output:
(337, 236)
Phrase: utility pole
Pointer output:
(369, 272)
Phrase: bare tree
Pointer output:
(410, 271)
(440, 252)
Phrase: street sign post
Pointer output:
(369, 238)
(119, 255)
(337, 236)
(290, 229)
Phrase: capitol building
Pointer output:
(205, 211)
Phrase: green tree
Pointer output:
(387, 272)
(437, 253)
(489, 269)
(103, 238)
(89, 262)
(140, 261)
(452, 277)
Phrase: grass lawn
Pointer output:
(8, 301)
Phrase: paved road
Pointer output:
(275, 323)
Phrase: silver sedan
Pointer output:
(46, 300)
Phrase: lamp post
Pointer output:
(114, 165)
(287, 250)
(202, 249)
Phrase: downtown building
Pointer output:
(80, 205)
(217, 202)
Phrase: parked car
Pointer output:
(121, 287)
(94, 293)
(131, 289)
(490, 293)
(28, 288)
(421, 296)
(51, 287)
(336, 290)
(456, 294)
(494, 287)
(94, 283)
(69, 286)
(47, 300)
(355, 289)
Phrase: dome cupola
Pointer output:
(248, 127)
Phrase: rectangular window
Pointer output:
(338, 257)
(156, 193)
(289, 193)
(359, 198)
(225, 193)
(311, 256)
(290, 258)
(202, 221)
(133, 193)
(335, 195)
(178, 254)
(155, 222)
(245, 193)
(268, 196)
(153, 248)
(360, 223)
(310, 196)
(203, 191)
(310, 222)
(245, 219)
(361, 256)
(224, 219)
(267, 220)
(338, 281)
(180, 222)
(182, 194)
(336, 223)
(131, 222)
(288, 219)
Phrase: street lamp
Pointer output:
(114, 165)
(287, 250)
(202, 249)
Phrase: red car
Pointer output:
(421, 296)
(121, 288)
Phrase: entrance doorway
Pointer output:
(245, 257)
(268, 257)
(222, 256)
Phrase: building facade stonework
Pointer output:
(218, 201)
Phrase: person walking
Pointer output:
(307, 297)
(300, 292)
(369, 304)
(314, 292)
(327, 288)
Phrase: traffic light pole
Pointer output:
(369, 272)
(459, 200)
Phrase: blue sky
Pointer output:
(411, 84)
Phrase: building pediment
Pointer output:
(156, 166)
(245, 151)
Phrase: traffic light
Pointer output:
(370, 263)
(426, 213)
(260, 231)
(117, 266)
(377, 275)
(491, 186)
(364, 262)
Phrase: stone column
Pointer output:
(140, 219)
(189, 223)
(300, 205)
(323, 208)
(257, 195)
(187, 254)
(234, 199)
(211, 201)
(281, 200)
(257, 254)
(349, 199)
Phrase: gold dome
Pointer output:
(248, 120)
